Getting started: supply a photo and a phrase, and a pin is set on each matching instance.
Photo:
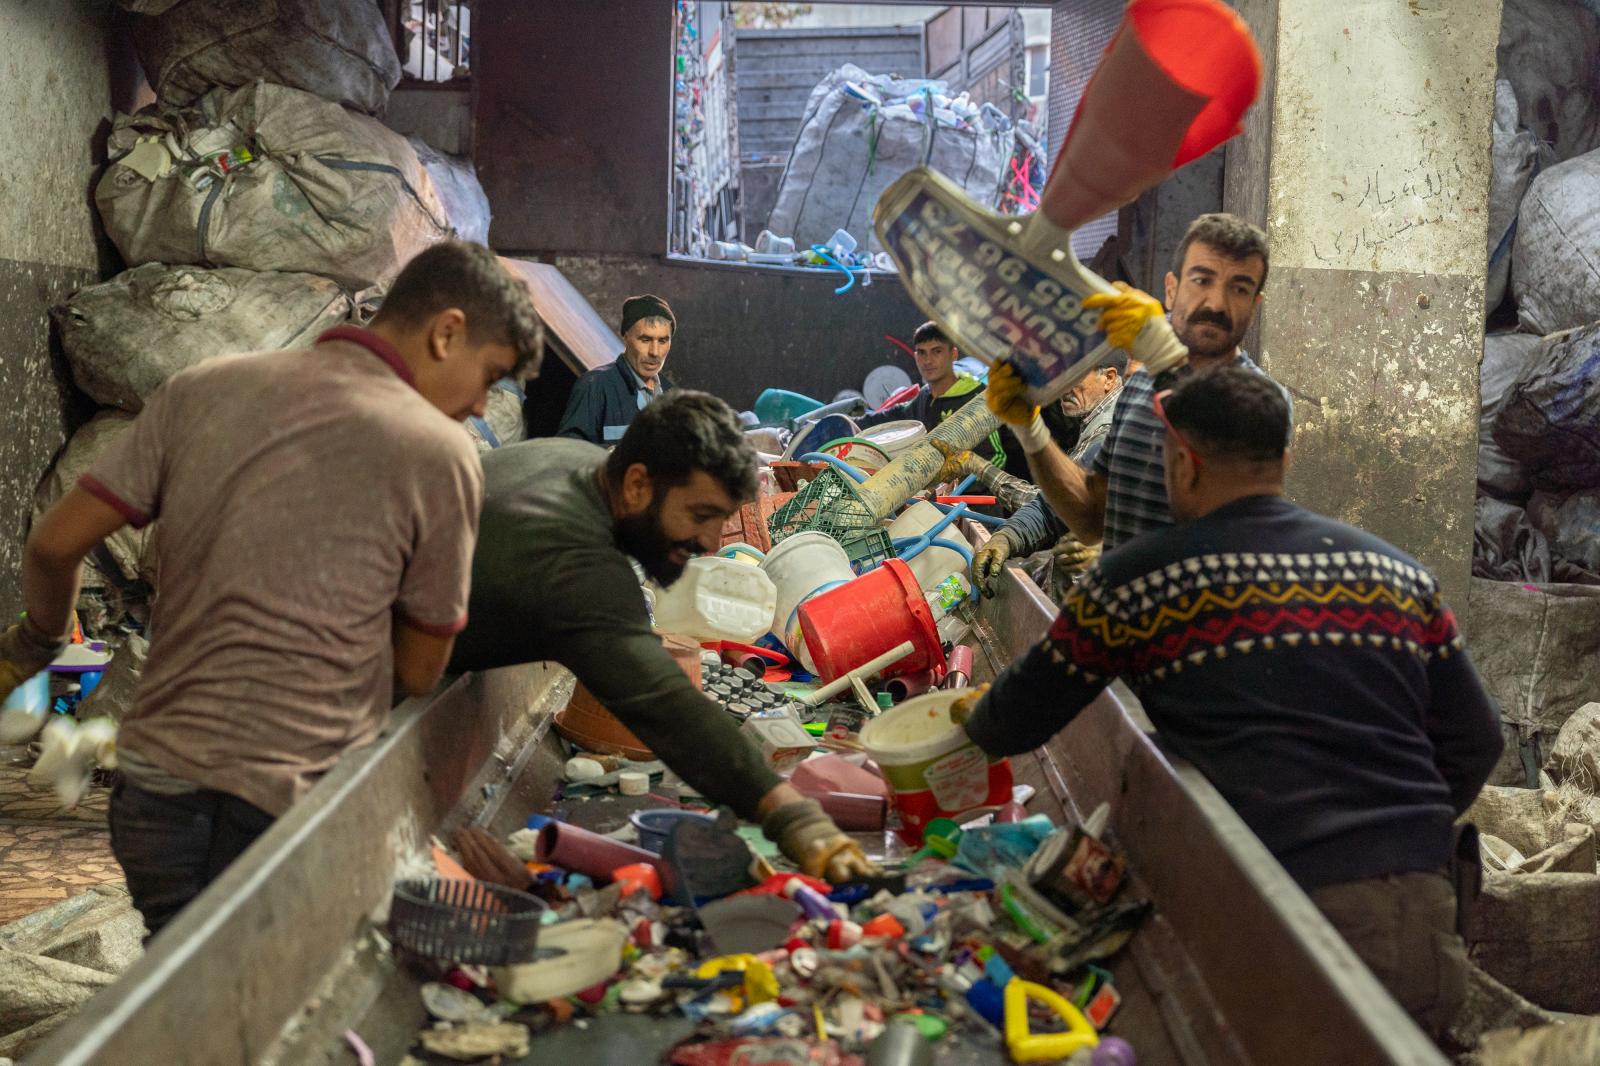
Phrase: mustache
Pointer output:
(1220, 319)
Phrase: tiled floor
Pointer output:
(47, 854)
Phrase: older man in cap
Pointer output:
(605, 401)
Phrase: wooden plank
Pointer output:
(585, 341)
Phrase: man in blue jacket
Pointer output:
(604, 401)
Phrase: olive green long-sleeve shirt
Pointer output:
(549, 583)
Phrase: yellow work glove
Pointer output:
(963, 707)
(955, 461)
(812, 842)
(1071, 557)
(1135, 321)
(988, 563)
(1007, 399)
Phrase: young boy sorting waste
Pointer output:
(317, 511)
(1309, 669)
(551, 580)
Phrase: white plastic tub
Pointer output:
(933, 564)
(895, 437)
(717, 599)
(800, 567)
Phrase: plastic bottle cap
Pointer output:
(633, 782)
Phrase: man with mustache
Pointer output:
(552, 581)
(604, 402)
(1212, 293)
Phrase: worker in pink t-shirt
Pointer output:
(318, 510)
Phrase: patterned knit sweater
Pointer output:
(1307, 668)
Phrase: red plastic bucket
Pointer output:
(863, 618)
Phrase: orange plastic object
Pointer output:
(586, 722)
(637, 876)
(861, 619)
(885, 926)
(1174, 83)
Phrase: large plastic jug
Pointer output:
(718, 599)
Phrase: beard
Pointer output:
(1189, 333)
(642, 537)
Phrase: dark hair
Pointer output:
(1118, 361)
(682, 432)
(468, 277)
(1229, 412)
(1228, 234)
(929, 331)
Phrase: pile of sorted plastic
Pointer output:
(989, 935)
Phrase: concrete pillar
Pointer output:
(1369, 163)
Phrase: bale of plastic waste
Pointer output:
(1571, 523)
(128, 555)
(1555, 258)
(1538, 649)
(1575, 758)
(340, 51)
(1506, 546)
(1540, 934)
(1505, 355)
(38, 987)
(1549, 420)
(268, 178)
(1572, 1042)
(860, 131)
(123, 338)
(455, 179)
(1549, 51)
(1516, 156)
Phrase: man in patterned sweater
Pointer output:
(1307, 668)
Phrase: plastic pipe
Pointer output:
(915, 468)
(591, 854)
(837, 463)
(854, 812)
(866, 669)
(959, 674)
(907, 685)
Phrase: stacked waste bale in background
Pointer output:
(1539, 434)
(258, 202)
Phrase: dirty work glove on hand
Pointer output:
(988, 563)
(810, 839)
(963, 707)
(1072, 557)
(1135, 321)
(1007, 399)
(24, 651)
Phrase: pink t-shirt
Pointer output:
(306, 498)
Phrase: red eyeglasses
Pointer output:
(1161, 412)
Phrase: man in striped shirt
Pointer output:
(1212, 294)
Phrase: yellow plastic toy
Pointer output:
(1027, 1046)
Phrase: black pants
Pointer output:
(172, 847)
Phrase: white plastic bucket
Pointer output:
(717, 599)
(895, 437)
(800, 567)
(933, 564)
(933, 769)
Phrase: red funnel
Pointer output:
(1173, 84)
